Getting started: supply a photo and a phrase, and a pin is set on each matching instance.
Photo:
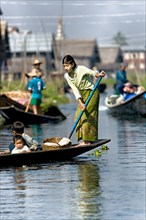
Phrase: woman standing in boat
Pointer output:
(80, 79)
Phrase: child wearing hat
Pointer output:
(35, 87)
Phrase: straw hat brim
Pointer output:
(37, 62)
(32, 74)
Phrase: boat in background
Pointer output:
(19, 96)
(13, 111)
(132, 106)
(7, 101)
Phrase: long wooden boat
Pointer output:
(42, 157)
(12, 114)
(6, 101)
(19, 96)
(13, 111)
(135, 105)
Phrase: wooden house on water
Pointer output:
(85, 52)
(136, 58)
(111, 56)
(4, 48)
(27, 46)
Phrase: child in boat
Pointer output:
(18, 129)
(129, 91)
(19, 144)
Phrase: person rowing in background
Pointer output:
(80, 79)
(36, 68)
(121, 79)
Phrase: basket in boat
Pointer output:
(56, 143)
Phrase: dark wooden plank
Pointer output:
(41, 157)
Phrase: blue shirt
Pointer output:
(129, 96)
(36, 85)
(121, 78)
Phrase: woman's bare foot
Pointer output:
(84, 143)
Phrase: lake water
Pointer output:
(109, 187)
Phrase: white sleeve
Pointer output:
(15, 151)
(25, 148)
(29, 140)
(73, 87)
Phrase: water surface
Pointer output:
(109, 187)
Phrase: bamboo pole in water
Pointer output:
(135, 69)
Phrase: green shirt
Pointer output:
(80, 79)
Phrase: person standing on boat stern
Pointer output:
(36, 68)
(35, 86)
(121, 79)
(19, 144)
(80, 79)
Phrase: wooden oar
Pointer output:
(86, 103)
(28, 104)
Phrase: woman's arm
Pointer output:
(102, 74)
(82, 106)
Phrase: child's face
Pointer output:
(19, 144)
(68, 67)
(37, 66)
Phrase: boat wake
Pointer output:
(102, 108)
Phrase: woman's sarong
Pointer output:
(87, 128)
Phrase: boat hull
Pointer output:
(12, 114)
(41, 157)
(133, 106)
(13, 111)
(6, 101)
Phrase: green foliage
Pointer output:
(97, 153)
(109, 81)
(13, 86)
(104, 147)
(120, 39)
(136, 77)
(54, 92)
